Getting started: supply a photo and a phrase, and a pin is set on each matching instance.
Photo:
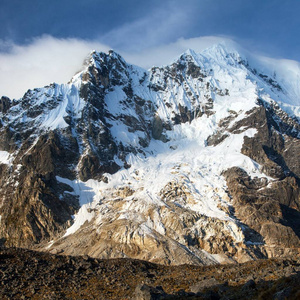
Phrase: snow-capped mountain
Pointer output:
(194, 162)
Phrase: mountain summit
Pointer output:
(195, 162)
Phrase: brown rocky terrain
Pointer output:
(26, 274)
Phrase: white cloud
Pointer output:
(45, 60)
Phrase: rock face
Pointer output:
(270, 208)
(196, 162)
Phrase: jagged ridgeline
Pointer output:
(195, 162)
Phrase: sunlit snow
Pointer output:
(5, 157)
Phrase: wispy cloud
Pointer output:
(164, 24)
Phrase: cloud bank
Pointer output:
(45, 60)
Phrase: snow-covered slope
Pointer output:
(137, 158)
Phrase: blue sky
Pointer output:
(270, 26)
(135, 27)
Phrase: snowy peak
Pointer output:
(221, 54)
(223, 50)
(274, 79)
(97, 59)
(107, 70)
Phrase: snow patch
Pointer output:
(89, 195)
(5, 158)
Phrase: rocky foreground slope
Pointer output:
(196, 162)
(26, 274)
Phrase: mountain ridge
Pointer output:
(178, 164)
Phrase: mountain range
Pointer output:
(196, 162)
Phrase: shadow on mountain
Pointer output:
(291, 218)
